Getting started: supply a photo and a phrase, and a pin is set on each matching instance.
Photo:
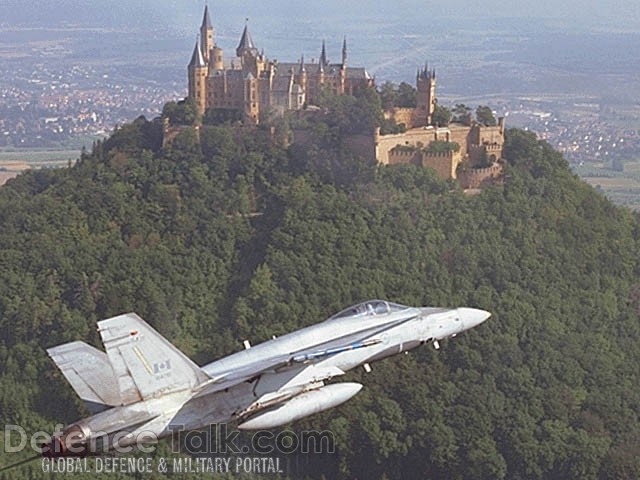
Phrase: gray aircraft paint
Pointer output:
(144, 384)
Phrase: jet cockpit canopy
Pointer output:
(371, 307)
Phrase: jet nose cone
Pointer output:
(472, 317)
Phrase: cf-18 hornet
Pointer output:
(143, 386)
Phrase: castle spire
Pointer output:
(206, 35)
(427, 74)
(323, 56)
(206, 20)
(246, 43)
(344, 51)
(197, 60)
(302, 67)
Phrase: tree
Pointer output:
(440, 146)
(397, 96)
(390, 126)
(406, 96)
(219, 116)
(462, 114)
(484, 116)
(546, 389)
(360, 113)
(388, 95)
(185, 112)
(441, 116)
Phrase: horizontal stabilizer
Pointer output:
(89, 372)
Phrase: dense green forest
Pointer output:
(234, 236)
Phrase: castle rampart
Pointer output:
(398, 156)
(479, 177)
(444, 163)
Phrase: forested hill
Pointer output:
(235, 237)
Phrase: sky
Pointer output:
(380, 32)
(594, 14)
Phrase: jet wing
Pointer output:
(292, 360)
(239, 375)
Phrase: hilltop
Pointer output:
(236, 236)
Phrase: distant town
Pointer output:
(45, 107)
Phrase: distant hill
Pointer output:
(546, 389)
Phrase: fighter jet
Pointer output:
(145, 387)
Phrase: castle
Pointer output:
(252, 84)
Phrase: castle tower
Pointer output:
(343, 69)
(322, 63)
(216, 62)
(323, 57)
(301, 75)
(251, 103)
(206, 35)
(426, 97)
(246, 48)
(198, 78)
(344, 53)
(301, 84)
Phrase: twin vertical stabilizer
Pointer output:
(139, 364)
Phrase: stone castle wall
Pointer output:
(445, 164)
(401, 157)
(477, 143)
(479, 177)
(489, 135)
(414, 138)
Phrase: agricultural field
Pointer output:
(14, 162)
(621, 186)
(37, 157)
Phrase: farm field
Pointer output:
(622, 187)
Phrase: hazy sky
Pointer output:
(623, 14)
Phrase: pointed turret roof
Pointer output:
(344, 51)
(323, 55)
(206, 20)
(302, 67)
(246, 42)
(197, 60)
(427, 74)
